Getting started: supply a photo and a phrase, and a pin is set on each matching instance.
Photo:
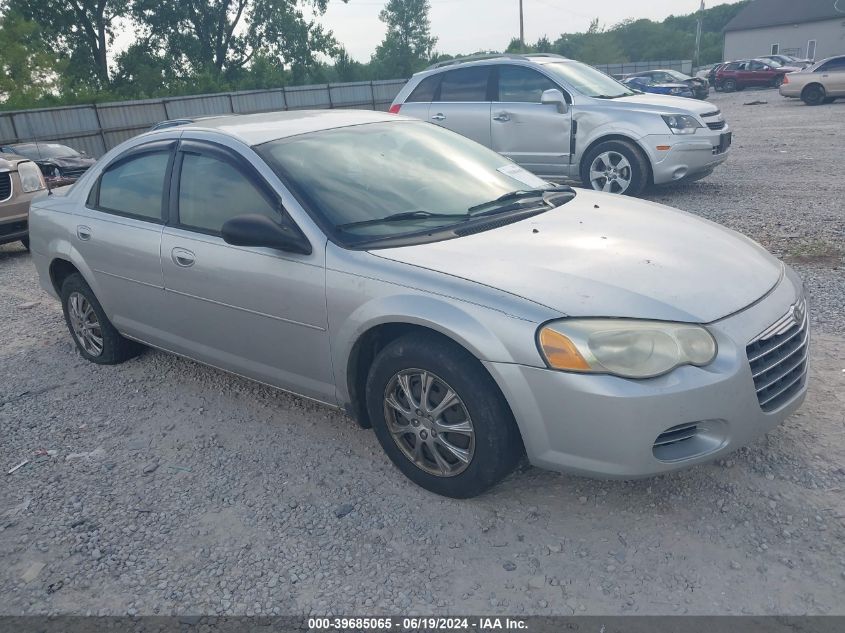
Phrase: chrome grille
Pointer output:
(716, 125)
(778, 358)
(5, 186)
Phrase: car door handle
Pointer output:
(83, 232)
(182, 257)
(502, 116)
(439, 117)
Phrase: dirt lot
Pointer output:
(179, 489)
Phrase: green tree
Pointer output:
(29, 70)
(219, 38)
(408, 45)
(81, 31)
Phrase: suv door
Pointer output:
(759, 74)
(255, 311)
(419, 101)
(833, 77)
(118, 234)
(462, 103)
(534, 135)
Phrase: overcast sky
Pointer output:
(465, 26)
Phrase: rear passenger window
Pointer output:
(425, 91)
(135, 186)
(522, 85)
(213, 191)
(833, 65)
(466, 84)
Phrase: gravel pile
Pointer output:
(164, 487)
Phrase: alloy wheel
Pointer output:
(429, 422)
(85, 324)
(611, 172)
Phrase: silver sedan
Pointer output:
(468, 311)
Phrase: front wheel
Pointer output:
(615, 167)
(440, 417)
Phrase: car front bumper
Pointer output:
(689, 157)
(606, 426)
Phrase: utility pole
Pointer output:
(697, 61)
(521, 27)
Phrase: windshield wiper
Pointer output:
(404, 215)
(515, 196)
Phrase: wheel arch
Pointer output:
(617, 136)
(813, 84)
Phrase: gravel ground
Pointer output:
(175, 488)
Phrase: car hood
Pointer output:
(613, 256)
(664, 104)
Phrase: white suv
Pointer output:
(562, 119)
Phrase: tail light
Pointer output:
(786, 79)
(394, 109)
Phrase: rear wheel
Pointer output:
(440, 417)
(813, 95)
(96, 338)
(615, 167)
(728, 85)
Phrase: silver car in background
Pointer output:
(823, 82)
(468, 311)
(562, 119)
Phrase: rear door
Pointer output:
(832, 76)
(463, 100)
(118, 234)
(259, 312)
(419, 101)
(760, 74)
(534, 135)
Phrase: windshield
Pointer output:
(387, 180)
(771, 62)
(588, 81)
(677, 75)
(36, 151)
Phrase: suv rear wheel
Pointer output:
(615, 167)
(729, 85)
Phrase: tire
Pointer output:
(491, 446)
(638, 175)
(813, 95)
(113, 348)
(829, 100)
(728, 85)
(25, 242)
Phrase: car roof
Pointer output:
(254, 129)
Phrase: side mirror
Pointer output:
(258, 230)
(555, 97)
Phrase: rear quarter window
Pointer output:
(425, 91)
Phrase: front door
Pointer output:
(534, 135)
(255, 311)
(462, 103)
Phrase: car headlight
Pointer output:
(622, 347)
(682, 123)
(31, 178)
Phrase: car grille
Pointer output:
(716, 125)
(5, 186)
(778, 358)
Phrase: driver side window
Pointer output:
(213, 191)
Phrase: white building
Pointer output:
(812, 29)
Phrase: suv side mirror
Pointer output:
(253, 229)
(554, 97)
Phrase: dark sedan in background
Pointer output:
(60, 164)
(643, 84)
(699, 87)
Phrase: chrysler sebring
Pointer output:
(467, 311)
